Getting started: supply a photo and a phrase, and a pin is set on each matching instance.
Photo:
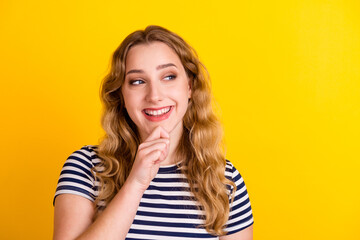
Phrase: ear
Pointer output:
(189, 87)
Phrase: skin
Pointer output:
(155, 79)
(73, 214)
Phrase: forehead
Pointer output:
(150, 55)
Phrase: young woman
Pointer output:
(159, 172)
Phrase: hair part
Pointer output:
(200, 147)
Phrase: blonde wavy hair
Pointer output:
(200, 147)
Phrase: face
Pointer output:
(156, 89)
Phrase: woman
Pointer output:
(159, 172)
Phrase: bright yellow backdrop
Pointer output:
(286, 75)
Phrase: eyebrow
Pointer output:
(162, 66)
(165, 66)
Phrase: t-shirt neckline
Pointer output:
(169, 168)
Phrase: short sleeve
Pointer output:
(240, 216)
(76, 176)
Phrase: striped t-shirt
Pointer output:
(167, 209)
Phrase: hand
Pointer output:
(149, 155)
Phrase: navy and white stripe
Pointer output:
(167, 209)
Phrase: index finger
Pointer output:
(157, 133)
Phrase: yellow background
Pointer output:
(286, 75)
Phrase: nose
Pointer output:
(154, 92)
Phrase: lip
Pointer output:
(157, 118)
(155, 109)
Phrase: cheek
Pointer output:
(183, 100)
(130, 105)
(128, 99)
(182, 90)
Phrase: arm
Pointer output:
(245, 234)
(79, 209)
(73, 214)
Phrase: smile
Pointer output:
(157, 114)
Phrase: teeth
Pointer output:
(157, 112)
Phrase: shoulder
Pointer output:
(240, 215)
(231, 172)
(77, 175)
(234, 175)
(88, 152)
(85, 157)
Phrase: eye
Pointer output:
(170, 77)
(136, 82)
